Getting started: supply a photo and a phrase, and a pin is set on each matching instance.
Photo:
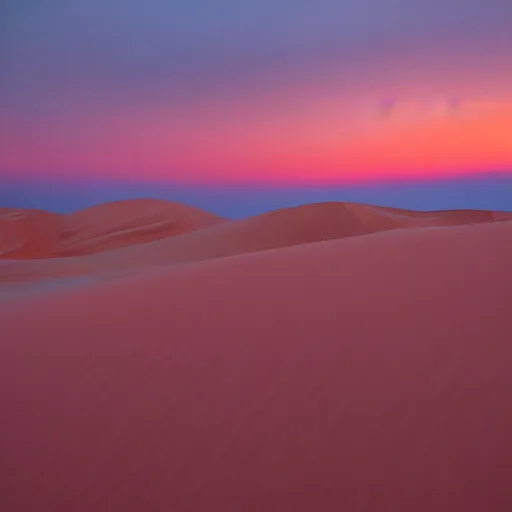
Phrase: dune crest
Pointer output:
(129, 222)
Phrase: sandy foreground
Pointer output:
(327, 357)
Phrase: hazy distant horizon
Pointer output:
(492, 191)
(258, 104)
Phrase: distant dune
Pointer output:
(31, 234)
(367, 373)
(180, 234)
(129, 222)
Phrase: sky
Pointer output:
(406, 103)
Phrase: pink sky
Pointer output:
(301, 116)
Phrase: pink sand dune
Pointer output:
(30, 234)
(280, 228)
(129, 222)
(362, 374)
(27, 234)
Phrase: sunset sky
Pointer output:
(270, 93)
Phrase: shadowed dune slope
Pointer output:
(279, 228)
(369, 373)
(27, 234)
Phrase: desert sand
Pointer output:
(325, 357)
(26, 234)
(32, 234)
(92, 233)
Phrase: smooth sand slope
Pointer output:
(280, 228)
(370, 373)
(32, 234)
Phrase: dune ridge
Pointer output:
(35, 234)
(359, 374)
(94, 252)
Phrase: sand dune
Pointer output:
(26, 234)
(280, 228)
(129, 222)
(30, 234)
(361, 374)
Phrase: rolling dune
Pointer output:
(280, 228)
(129, 222)
(32, 234)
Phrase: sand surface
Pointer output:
(327, 357)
